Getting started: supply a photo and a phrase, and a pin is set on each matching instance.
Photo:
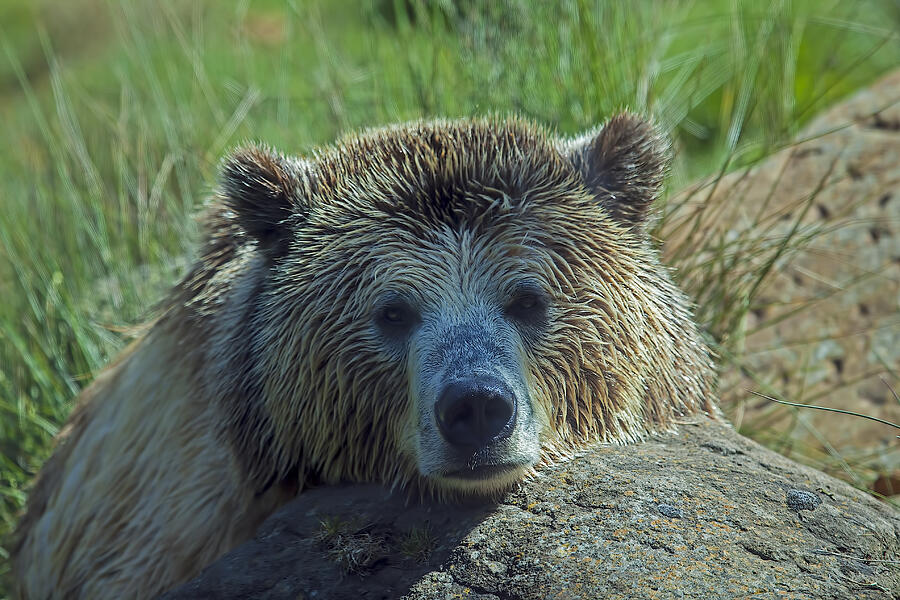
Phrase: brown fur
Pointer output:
(264, 373)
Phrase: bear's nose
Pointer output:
(472, 413)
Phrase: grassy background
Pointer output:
(115, 116)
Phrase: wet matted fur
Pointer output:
(333, 299)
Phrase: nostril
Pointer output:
(458, 415)
(474, 412)
(497, 412)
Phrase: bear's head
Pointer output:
(442, 304)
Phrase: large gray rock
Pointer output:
(704, 513)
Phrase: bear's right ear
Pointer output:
(266, 191)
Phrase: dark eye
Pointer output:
(395, 317)
(528, 306)
(393, 314)
(527, 302)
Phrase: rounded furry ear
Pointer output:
(266, 190)
(624, 164)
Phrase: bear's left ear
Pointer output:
(268, 192)
(623, 164)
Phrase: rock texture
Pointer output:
(824, 327)
(704, 513)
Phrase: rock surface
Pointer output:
(704, 513)
(824, 327)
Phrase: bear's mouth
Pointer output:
(483, 472)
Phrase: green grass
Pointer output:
(116, 115)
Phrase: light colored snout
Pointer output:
(476, 425)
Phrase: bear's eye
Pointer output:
(527, 302)
(393, 314)
(395, 317)
(528, 306)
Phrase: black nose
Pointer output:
(474, 412)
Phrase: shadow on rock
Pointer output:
(352, 541)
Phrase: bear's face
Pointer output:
(448, 303)
(463, 313)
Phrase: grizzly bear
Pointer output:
(438, 306)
